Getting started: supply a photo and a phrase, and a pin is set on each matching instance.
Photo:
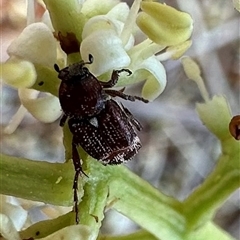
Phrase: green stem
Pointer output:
(203, 203)
(66, 17)
(127, 193)
(142, 234)
(92, 206)
(145, 205)
(137, 199)
(209, 231)
(37, 181)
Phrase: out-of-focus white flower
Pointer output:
(12, 217)
(7, 229)
(35, 45)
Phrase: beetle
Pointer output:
(105, 129)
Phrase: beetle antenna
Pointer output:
(90, 59)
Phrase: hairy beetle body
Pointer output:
(102, 127)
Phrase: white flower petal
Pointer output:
(47, 20)
(130, 22)
(97, 23)
(7, 229)
(26, 94)
(107, 50)
(18, 73)
(130, 43)
(175, 52)
(156, 78)
(16, 120)
(106, 22)
(119, 12)
(16, 213)
(92, 8)
(45, 109)
(35, 44)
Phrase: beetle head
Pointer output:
(74, 72)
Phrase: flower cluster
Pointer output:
(108, 30)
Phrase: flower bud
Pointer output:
(163, 24)
(18, 73)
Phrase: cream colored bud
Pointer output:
(18, 73)
(164, 24)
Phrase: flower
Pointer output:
(34, 46)
(12, 217)
(106, 30)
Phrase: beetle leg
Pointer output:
(63, 120)
(114, 78)
(115, 93)
(78, 171)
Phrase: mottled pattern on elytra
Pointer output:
(110, 138)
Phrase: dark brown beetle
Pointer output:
(102, 127)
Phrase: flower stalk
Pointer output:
(215, 113)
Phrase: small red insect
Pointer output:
(234, 127)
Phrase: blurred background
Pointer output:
(178, 152)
